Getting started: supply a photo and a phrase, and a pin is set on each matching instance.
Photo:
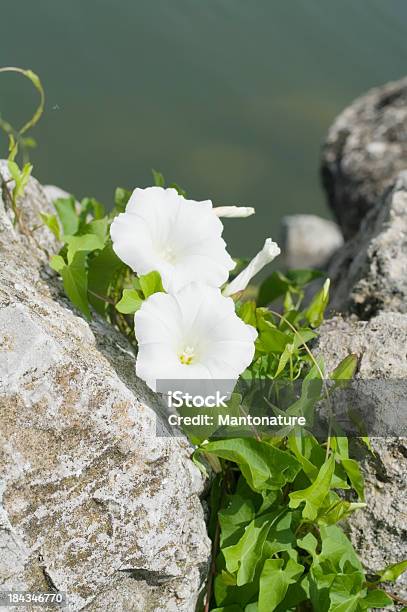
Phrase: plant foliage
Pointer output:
(276, 503)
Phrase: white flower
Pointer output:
(194, 334)
(181, 239)
(269, 252)
(233, 211)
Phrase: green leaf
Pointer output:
(199, 433)
(244, 556)
(20, 178)
(25, 175)
(158, 178)
(228, 593)
(121, 197)
(271, 339)
(181, 191)
(57, 263)
(274, 582)
(281, 537)
(355, 475)
(284, 359)
(309, 543)
(91, 206)
(392, 572)
(247, 312)
(151, 283)
(338, 552)
(277, 284)
(315, 494)
(130, 302)
(346, 369)
(301, 277)
(87, 242)
(304, 446)
(234, 517)
(272, 288)
(315, 311)
(99, 228)
(75, 280)
(51, 222)
(338, 510)
(103, 270)
(376, 599)
(303, 336)
(263, 466)
(14, 171)
(344, 602)
(67, 215)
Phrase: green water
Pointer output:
(230, 98)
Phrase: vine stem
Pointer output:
(212, 571)
(102, 298)
(9, 201)
(29, 74)
(215, 542)
(397, 599)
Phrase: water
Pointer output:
(229, 98)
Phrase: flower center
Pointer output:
(168, 254)
(187, 356)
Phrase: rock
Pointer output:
(34, 202)
(364, 173)
(365, 150)
(309, 241)
(53, 193)
(93, 502)
(379, 531)
(369, 274)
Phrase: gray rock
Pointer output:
(365, 150)
(308, 241)
(379, 531)
(369, 274)
(363, 170)
(93, 502)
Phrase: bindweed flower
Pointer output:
(193, 334)
(269, 252)
(233, 211)
(181, 239)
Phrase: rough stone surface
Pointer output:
(379, 531)
(93, 503)
(365, 149)
(364, 163)
(369, 274)
(52, 193)
(308, 241)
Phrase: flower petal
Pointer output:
(159, 320)
(269, 252)
(179, 238)
(233, 211)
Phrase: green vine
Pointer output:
(18, 141)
